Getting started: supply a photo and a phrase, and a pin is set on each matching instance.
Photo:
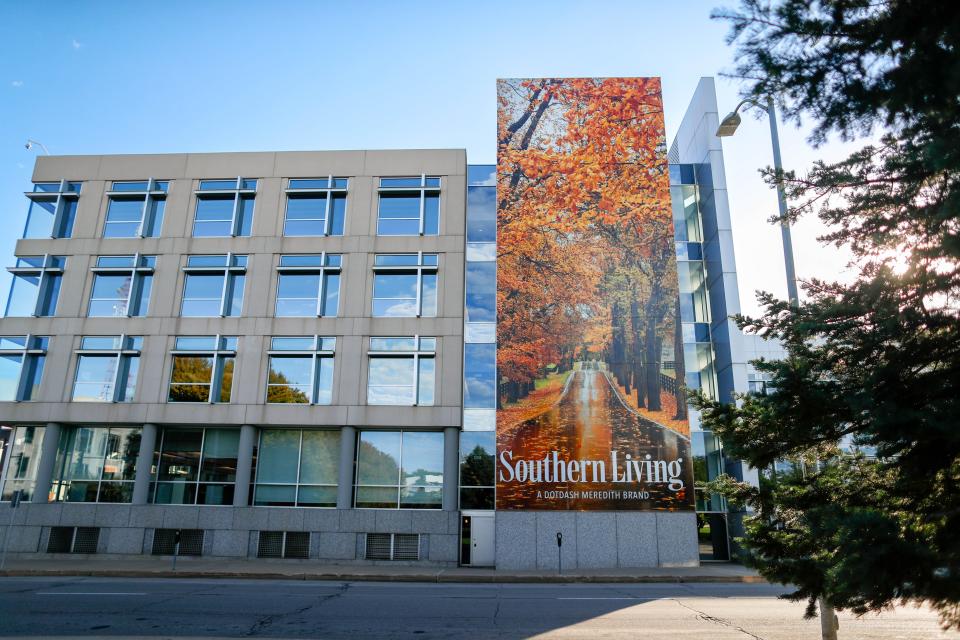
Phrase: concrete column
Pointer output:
(348, 449)
(241, 490)
(451, 468)
(48, 459)
(141, 482)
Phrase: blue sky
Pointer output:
(137, 77)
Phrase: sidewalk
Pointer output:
(189, 567)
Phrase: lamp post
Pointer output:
(30, 144)
(727, 128)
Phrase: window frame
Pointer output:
(230, 269)
(219, 354)
(48, 270)
(330, 192)
(62, 226)
(399, 486)
(148, 217)
(316, 355)
(419, 269)
(417, 353)
(423, 189)
(323, 269)
(296, 484)
(124, 353)
(28, 352)
(239, 191)
(142, 267)
(157, 458)
(60, 466)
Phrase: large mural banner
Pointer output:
(591, 413)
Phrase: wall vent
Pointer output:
(393, 546)
(191, 542)
(73, 540)
(284, 544)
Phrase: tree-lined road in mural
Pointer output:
(589, 421)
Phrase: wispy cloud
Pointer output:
(77, 44)
(16, 84)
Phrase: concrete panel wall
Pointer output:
(595, 540)
(337, 535)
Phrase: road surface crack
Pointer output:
(268, 620)
(720, 621)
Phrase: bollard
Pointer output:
(559, 554)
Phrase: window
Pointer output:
(53, 208)
(24, 452)
(399, 469)
(195, 466)
(308, 286)
(224, 208)
(481, 292)
(402, 371)
(213, 286)
(135, 209)
(121, 286)
(405, 285)
(301, 370)
(36, 286)
(202, 369)
(107, 368)
(477, 451)
(409, 207)
(96, 464)
(297, 467)
(480, 376)
(316, 207)
(21, 366)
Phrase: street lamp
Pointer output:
(30, 144)
(728, 126)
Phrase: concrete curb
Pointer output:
(392, 577)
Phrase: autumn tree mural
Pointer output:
(587, 282)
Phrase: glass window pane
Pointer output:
(215, 494)
(428, 300)
(109, 295)
(277, 456)
(477, 451)
(338, 213)
(154, 220)
(303, 207)
(377, 497)
(422, 458)
(32, 376)
(124, 210)
(393, 344)
(317, 496)
(208, 261)
(128, 377)
(129, 186)
(23, 295)
(40, 218)
(481, 214)
(191, 379)
(289, 379)
(391, 381)
(214, 217)
(481, 295)
(396, 260)
(180, 454)
(235, 302)
(81, 453)
(140, 301)
(320, 457)
(244, 216)
(95, 379)
(274, 496)
(301, 343)
(175, 493)
(220, 455)
(413, 181)
(123, 446)
(302, 261)
(426, 392)
(378, 458)
(331, 302)
(480, 376)
(474, 498)
(297, 294)
(431, 214)
(324, 381)
(218, 185)
(9, 376)
(421, 498)
(199, 343)
(394, 295)
(49, 294)
(226, 379)
(24, 452)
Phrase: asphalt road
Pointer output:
(101, 607)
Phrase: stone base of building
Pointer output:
(344, 536)
(595, 540)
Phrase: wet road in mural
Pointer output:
(591, 423)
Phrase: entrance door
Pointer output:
(482, 550)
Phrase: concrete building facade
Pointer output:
(262, 355)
